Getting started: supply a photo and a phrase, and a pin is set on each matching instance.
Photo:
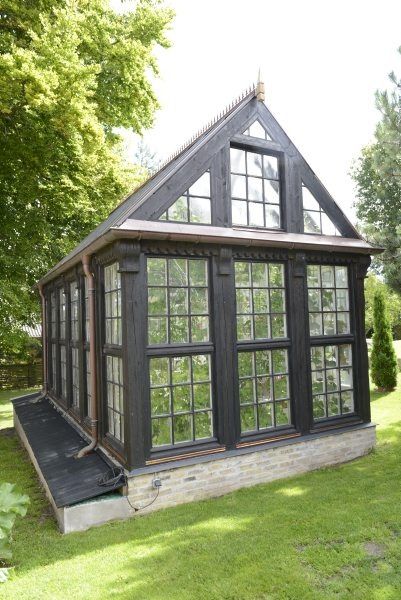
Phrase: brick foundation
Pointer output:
(220, 474)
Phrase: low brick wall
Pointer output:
(222, 474)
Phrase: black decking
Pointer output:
(54, 442)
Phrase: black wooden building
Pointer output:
(227, 304)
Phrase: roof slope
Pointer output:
(123, 210)
(139, 206)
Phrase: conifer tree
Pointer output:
(383, 359)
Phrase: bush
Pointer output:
(383, 359)
(11, 505)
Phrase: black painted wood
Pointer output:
(54, 443)
(301, 392)
(136, 388)
(194, 166)
(360, 354)
(226, 372)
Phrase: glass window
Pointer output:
(115, 407)
(178, 303)
(328, 300)
(54, 366)
(332, 380)
(181, 399)
(75, 377)
(315, 219)
(63, 372)
(258, 131)
(260, 300)
(74, 311)
(194, 206)
(53, 318)
(112, 298)
(263, 389)
(88, 379)
(255, 189)
(62, 312)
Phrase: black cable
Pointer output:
(136, 509)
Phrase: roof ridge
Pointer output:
(227, 109)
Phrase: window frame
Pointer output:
(182, 349)
(260, 147)
(108, 349)
(266, 344)
(333, 340)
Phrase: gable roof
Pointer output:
(113, 226)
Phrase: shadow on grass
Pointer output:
(243, 545)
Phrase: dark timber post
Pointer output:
(300, 352)
(361, 361)
(225, 347)
(133, 283)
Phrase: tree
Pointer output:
(377, 174)
(71, 72)
(393, 301)
(383, 360)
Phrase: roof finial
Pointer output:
(260, 89)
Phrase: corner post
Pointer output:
(361, 361)
(135, 368)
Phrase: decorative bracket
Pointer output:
(224, 261)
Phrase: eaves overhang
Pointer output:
(232, 236)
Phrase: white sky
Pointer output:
(321, 63)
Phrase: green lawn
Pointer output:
(6, 411)
(334, 533)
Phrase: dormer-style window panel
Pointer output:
(255, 189)
(258, 131)
(194, 205)
(315, 219)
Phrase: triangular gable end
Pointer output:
(194, 205)
(315, 219)
(257, 130)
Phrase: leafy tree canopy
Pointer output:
(71, 71)
(378, 179)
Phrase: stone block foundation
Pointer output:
(215, 475)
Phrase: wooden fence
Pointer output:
(19, 376)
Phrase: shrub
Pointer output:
(383, 359)
(11, 505)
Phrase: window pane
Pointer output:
(178, 310)
(328, 300)
(315, 219)
(112, 303)
(255, 180)
(256, 217)
(237, 158)
(258, 295)
(201, 187)
(179, 210)
(181, 398)
(199, 210)
(114, 386)
(332, 383)
(262, 391)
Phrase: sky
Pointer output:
(321, 62)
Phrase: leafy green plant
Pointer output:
(12, 504)
(383, 359)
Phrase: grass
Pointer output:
(333, 533)
(6, 410)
